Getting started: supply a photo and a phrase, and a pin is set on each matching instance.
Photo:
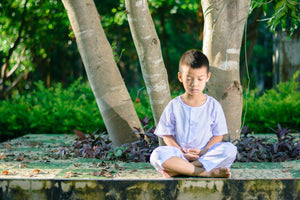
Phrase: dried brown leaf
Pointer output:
(132, 171)
(36, 171)
(80, 134)
(107, 174)
(96, 173)
(71, 174)
(101, 164)
(117, 167)
(20, 158)
(2, 156)
(22, 165)
(77, 164)
(5, 172)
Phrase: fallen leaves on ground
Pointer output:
(7, 172)
(2, 156)
(22, 165)
(103, 172)
(117, 167)
(70, 174)
(20, 157)
(77, 164)
(35, 172)
(132, 171)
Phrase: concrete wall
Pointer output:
(150, 189)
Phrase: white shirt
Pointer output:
(192, 127)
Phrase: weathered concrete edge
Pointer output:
(149, 189)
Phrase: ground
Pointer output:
(36, 156)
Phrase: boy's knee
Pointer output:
(164, 151)
(230, 150)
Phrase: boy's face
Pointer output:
(193, 80)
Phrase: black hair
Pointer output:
(195, 59)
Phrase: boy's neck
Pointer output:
(194, 101)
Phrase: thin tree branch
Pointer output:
(16, 65)
(11, 50)
(14, 84)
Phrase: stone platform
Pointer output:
(31, 171)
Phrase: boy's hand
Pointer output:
(190, 156)
(197, 152)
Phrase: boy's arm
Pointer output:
(170, 141)
(211, 142)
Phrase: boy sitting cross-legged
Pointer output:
(192, 126)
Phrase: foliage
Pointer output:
(58, 110)
(250, 148)
(50, 48)
(44, 37)
(280, 105)
(50, 110)
(256, 149)
(99, 146)
(285, 13)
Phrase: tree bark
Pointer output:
(149, 51)
(223, 31)
(286, 60)
(112, 97)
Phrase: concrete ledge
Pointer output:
(150, 189)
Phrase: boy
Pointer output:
(192, 126)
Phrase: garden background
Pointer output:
(47, 90)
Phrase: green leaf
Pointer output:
(118, 153)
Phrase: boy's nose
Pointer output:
(194, 83)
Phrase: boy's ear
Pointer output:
(208, 76)
(179, 77)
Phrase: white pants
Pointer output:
(219, 155)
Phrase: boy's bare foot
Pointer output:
(168, 174)
(222, 172)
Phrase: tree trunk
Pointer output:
(149, 51)
(286, 60)
(223, 31)
(112, 97)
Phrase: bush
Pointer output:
(254, 149)
(50, 110)
(58, 110)
(280, 105)
(99, 146)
